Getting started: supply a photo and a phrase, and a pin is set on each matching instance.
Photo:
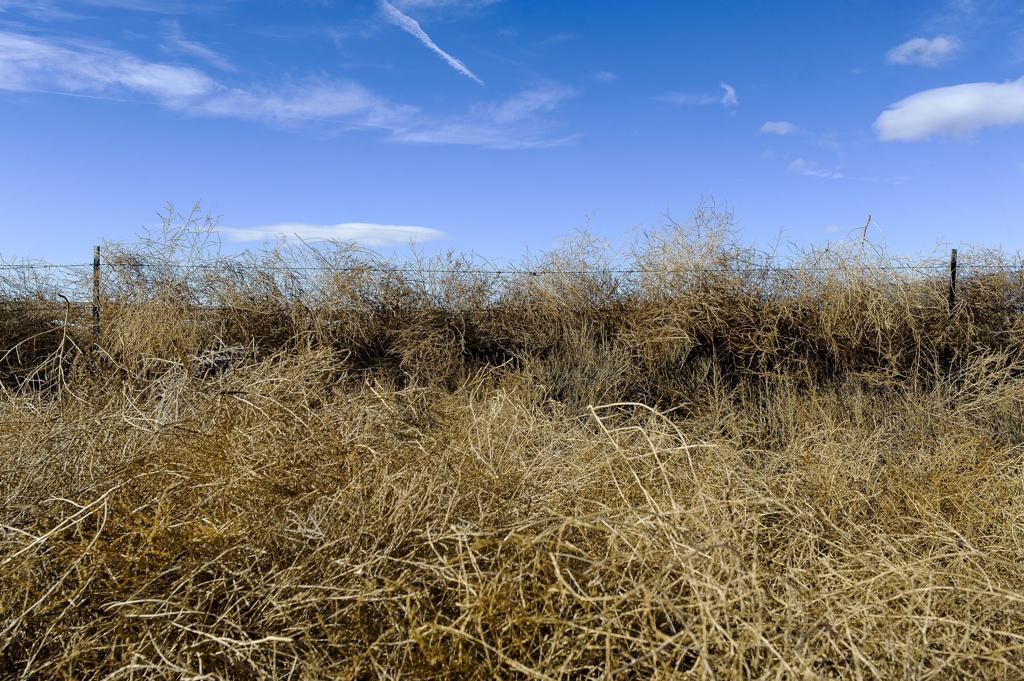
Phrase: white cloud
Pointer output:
(37, 9)
(924, 51)
(782, 128)
(61, 9)
(177, 42)
(361, 232)
(483, 135)
(528, 103)
(511, 124)
(727, 99)
(807, 168)
(970, 15)
(957, 110)
(342, 102)
(516, 123)
(813, 169)
(29, 63)
(443, 4)
(606, 76)
(411, 26)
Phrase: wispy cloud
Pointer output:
(515, 123)
(806, 168)
(958, 110)
(529, 103)
(177, 42)
(781, 128)
(343, 103)
(688, 98)
(29, 63)
(969, 15)
(728, 97)
(813, 169)
(411, 26)
(995, 24)
(66, 9)
(367, 233)
(558, 38)
(32, 64)
(45, 10)
(605, 76)
(812, 142)
(444, 4)
(924, 51)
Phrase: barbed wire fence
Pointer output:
(79, 285)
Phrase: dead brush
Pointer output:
(679, 462)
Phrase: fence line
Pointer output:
(235, 267)
(1011, 269)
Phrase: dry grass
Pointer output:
(737, 473)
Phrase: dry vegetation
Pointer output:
(330, 466)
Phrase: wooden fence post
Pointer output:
(96, 290)
(952, 281)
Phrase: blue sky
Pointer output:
(501, 126)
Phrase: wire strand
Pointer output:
(236, 267)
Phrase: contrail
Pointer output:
(410, 25)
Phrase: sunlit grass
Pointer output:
(702, 468)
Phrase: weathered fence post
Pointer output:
(96, 290)
(952, 281)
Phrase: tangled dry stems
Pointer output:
(730, 473)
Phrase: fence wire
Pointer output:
(301, 285)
